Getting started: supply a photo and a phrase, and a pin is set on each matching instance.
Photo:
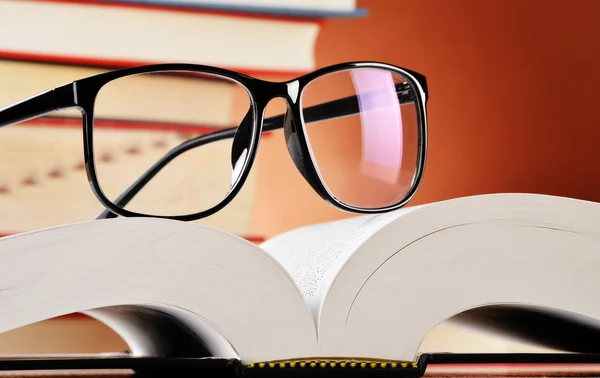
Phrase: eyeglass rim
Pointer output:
(88, 88)
(91, 86)
(416, 81)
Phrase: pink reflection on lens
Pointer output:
(381, 124)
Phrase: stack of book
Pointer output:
(44, 44)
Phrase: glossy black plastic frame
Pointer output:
(81, 95)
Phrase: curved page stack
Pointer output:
(367, 287)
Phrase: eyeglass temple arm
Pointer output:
(59, 98)
(325, 111)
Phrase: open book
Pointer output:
(365, 287)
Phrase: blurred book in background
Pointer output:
(127, 33)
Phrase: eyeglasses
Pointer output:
(357, 132)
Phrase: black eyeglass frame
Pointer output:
(81, 95)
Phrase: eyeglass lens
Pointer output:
(367, 159)
(140, 118)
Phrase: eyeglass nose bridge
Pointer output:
(265, 91)
(294, 135)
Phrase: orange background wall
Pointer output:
(514, 100)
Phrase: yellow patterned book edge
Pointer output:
(334, 363)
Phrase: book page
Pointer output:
(314, 254)
(179, 281)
